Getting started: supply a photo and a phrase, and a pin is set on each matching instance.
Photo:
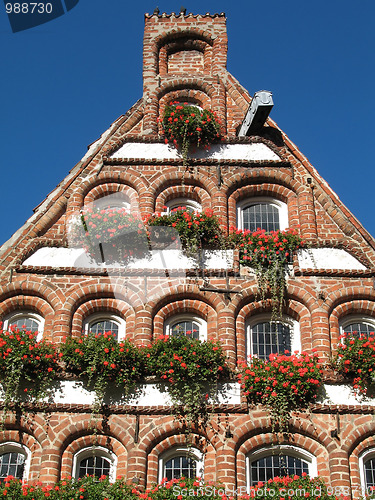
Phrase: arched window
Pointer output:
(14, 461)
(357, 325)
(102, 323)
(280, 461)
(262, 213)
(367, 471)
(186, 326)
(181, 462)
(25, 320)
(183, 203)
(113, 201)
(95, 461)
(265, 337)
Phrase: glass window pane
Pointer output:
(276, 465)
(261, 216)
(104, 326)
(25, 323)
(12, 464)
(359, 329)
(94, 466)
(270, 338)
(370, 473)
(185, 329)
(180, 466)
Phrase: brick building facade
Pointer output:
(47, 283)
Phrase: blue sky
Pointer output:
(63, 83)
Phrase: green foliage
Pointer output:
(283, 383)
(26, 366)
(87, 488)
(104, 361)
(192, 368)
(196, 230)
(356, 359)
(268, 254)
(186, 126)
(122, 235)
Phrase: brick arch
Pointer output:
(114, 288)
(177, 33)
(250, 307)
(111, 305)
(172, 178)
(33, 304)
(186, 305)
(129, 179)
(166, 443)
(264, 439)
(35, 287)
(344, 309)
(187, 191)
(366, 443)
(185, 292)
(108, 442)
(271, 187)
(108, 188)
(27, 439)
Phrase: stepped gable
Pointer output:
(329, 286)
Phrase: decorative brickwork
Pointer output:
(185, 60)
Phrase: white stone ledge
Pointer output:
(328, 258)
(148, 394)
(158, 259)
(148, 151)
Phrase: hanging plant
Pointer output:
(111, 235)
(192, 369)
(283, 383)
(26, 367)
(356, 359)
(103, 362)
(185, 126)
(196, 230)
(268, 254)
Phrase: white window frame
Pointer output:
(182, 202)
(177, 451)
(116, 201)
(103, 316)
(281, 206)
(295, 335)
(282, 449)
(16, 315)
(362, 459)
(170, 322)
(13, 447)
(352, 318)
(99, 451)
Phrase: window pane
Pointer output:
(276, 465)
(12, 464)
(180, 466)
(25, 323)
(94, 466)
(261, 216)
(370, 473)
(185, 329)
(103, 326)
(270, 338)
(359, 329)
